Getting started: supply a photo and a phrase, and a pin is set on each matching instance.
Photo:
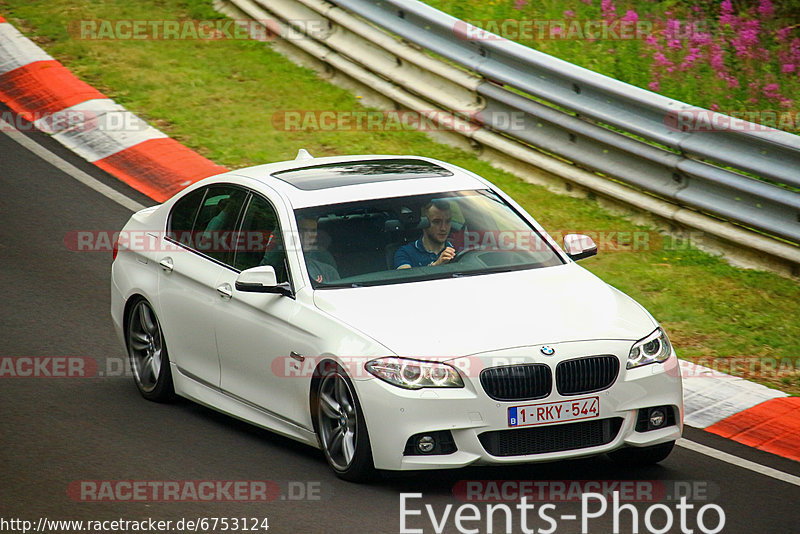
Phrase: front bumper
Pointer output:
(393, 414)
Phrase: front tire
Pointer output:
(642, 456)
(341, 427)
(148, 354)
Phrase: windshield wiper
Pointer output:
(460, 274)
(339, 286)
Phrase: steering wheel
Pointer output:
(462, 253)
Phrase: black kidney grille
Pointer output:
(552, 438)
(517, 382)
(586, 375)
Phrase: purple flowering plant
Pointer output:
(726, 55)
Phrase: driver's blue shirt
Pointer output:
(415, 255)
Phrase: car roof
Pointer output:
(329, 180)
(328, 175)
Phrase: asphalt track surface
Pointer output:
(59, 431)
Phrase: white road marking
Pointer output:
(70, 169)
(739, 462)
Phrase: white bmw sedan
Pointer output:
(396, 312)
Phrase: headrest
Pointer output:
(392, 225)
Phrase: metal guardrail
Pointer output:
(596, 122)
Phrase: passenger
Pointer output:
(433, 248)
(319, 262)
(226, 216)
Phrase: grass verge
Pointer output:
(220, 97)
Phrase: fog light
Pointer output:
(657, 418)
(426, 444)
(430, 443)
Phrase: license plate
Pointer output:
(554, 412)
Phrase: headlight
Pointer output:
(653, 348)
(414, 374)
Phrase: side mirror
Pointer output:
(262, 279)
(579, 246)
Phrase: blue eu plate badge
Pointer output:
(512, 416)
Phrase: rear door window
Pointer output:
(215, 223)
(182, 216)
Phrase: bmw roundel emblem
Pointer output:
(548, 350)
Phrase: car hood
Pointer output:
(469, 315)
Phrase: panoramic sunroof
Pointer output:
(360, 172)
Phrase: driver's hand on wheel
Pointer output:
(445, 257)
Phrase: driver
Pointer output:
(433, 248)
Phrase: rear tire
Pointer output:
(642, 456)
(148, 354)
(340, 425)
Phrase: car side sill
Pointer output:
(198, 390)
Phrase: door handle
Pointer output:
(167, 264)
(225, 291)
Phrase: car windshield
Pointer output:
(414, 238)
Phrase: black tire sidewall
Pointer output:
(164, 390)
(361, 468)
